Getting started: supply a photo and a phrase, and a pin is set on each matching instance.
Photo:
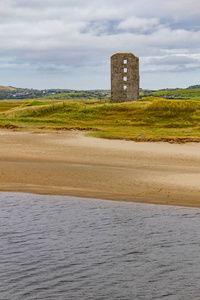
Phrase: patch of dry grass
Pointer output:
(148, 118)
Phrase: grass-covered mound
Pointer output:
(150, 118)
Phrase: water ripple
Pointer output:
(70, 248)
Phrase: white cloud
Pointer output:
(139, 24)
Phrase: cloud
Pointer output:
(185, 69)
(171, 64)
(174, 59)
(71, 35)
(140, 25)
(51, 69)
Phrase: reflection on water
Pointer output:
(71, 248)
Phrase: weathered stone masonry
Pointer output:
(124, 77)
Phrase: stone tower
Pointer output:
(124, 77)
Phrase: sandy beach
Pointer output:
(69, 163)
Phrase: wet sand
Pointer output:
(68, 163)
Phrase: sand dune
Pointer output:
(71, 164)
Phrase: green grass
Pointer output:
(192, 94)
(150, 118)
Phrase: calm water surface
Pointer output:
(70, 248)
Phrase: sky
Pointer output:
(67, 44)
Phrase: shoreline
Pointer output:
(71, 164)
(41, 190)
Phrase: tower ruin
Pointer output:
(124, 77)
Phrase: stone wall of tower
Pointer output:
(124, 77)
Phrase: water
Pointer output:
(70, 248)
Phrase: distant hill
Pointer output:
(192, 92)
(57, 94)
(194, 87)
(7, 88)
(9, 92)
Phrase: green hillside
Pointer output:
(192, 92)
(149, 119)
(57, 94)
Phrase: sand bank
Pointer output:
(68, 163)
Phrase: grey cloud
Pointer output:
(176, 69)
(140, 25)
(184, 68)
(101, 27)
(51, 70)
(173, 59)
(38, 4)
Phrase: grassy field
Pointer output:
(149, 119)
(189, 93)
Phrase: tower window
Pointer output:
(125, 87)
(125, 70)
(125, 78)
(125, 61)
